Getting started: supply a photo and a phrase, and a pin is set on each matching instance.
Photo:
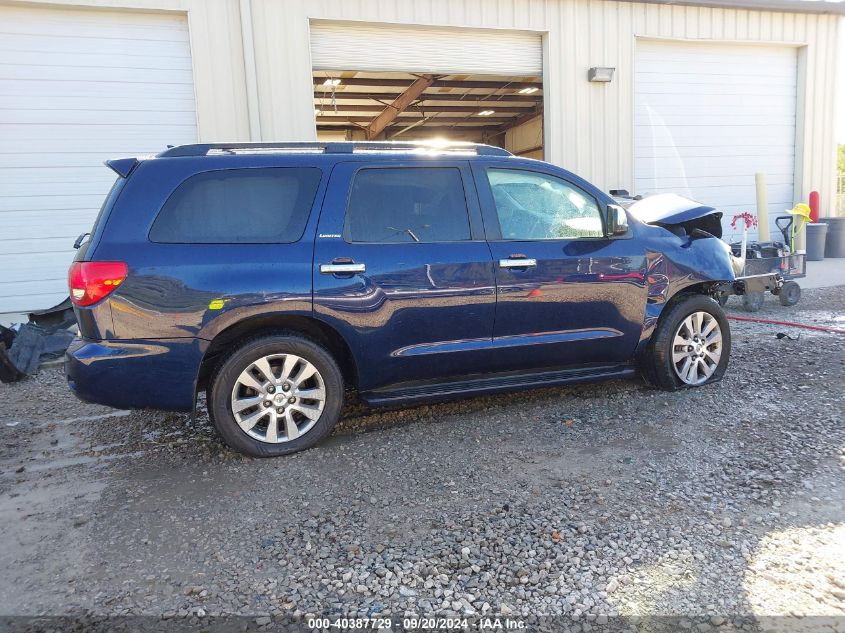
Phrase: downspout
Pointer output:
(250, 72)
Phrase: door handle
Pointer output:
(517, 262)
(341, 269)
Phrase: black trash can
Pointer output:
(835, 243)
(816, 233)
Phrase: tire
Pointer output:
(304, 404)
(753, 301)
(659, 362)
(790, 294)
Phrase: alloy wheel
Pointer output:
(697, 348)
(278, 398)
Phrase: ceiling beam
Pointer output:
(525, 118)
(481, 100)
(430, 108)
(408, 118)
(437, 83)
(433, 130)
(398, 106)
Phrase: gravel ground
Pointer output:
(718, 506)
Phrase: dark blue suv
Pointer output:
(275, 276)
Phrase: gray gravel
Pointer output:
(716, 505)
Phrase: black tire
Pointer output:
(247, 352)
(753, 301)
(790, 294)
(657, 366)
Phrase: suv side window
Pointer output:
(535, 206)
(263, 205)
(407, 204)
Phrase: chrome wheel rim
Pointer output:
(697, 348)
(278, 398)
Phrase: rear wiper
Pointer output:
(79, 240)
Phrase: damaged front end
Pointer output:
(691, 221)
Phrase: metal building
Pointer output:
(646, 96)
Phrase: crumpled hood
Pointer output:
(669, 208)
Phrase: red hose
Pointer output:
(819, 328)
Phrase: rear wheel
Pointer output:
(275, 395)
(691, 345)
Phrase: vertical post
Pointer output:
(250, 72)
(762, 208)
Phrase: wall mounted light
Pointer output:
(486, 112)
(600, 74)
(529, 90)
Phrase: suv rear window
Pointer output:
(265, 205)
(407, 204)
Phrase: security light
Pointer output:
(600, 73)
(528, 91)
(331, 82)
(486, 112)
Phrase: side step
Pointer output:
(478, 384)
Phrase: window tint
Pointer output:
(534, 206)
(246, 206)
(407, 204)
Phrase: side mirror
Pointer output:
(617, 220)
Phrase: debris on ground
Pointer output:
(46, 336)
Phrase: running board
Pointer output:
(480, 384)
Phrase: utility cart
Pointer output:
(772, 258)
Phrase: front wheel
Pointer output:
(275, 395)
(691, 345)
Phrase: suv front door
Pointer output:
(402, 271)
(566, 292)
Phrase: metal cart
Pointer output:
(773, 258)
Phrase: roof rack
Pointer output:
(332, 147)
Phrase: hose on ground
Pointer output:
(806, 326)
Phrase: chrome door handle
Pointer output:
(522, 262)
(335, 269)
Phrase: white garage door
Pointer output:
(709, 116)
(76, 88)
(423, 49)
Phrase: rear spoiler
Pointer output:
(122, 166)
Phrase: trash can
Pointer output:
(816, 233)
(835, 244)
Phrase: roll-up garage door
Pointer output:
(77, 87)
(708, 116)
(385, 48)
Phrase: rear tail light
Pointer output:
(91, 281)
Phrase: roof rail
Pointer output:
(332, 147)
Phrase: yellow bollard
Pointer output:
(762, 208)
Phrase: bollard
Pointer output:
(762, 208)
(814, 206)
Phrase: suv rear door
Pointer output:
(402, 270)
(565, 290)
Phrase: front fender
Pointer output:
(674, 265)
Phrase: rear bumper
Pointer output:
(135, 374)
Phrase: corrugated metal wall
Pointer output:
(588, 126)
